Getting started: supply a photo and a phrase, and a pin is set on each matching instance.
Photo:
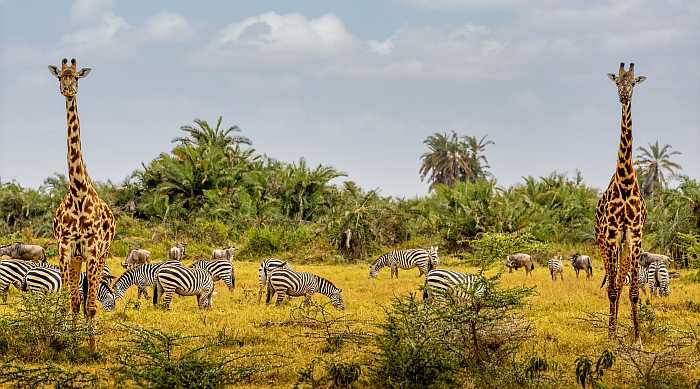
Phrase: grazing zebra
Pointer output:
(556, 267)
(174, 278)
(267, 266)
(220, 269)
(440, 283)
(12, 272)
(142, 275)
(287, 282)
(48, 279)
(658, 279)
(404, 259)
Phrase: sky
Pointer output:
(357, 85)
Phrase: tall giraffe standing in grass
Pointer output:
(83, 224)
(621, 212)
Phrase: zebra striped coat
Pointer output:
(405, 259)
(220, 269)
(12, 272)
(658, 279)
(441, 284)
(48, 280)
(287, 282)
(556, 267)
(141, 275)
(265, 268)
(174, 278)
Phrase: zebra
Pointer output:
(286, 282)
(404, 259)
(439, 283)
(12, 272)
(142, 275)
(267, 266)
(658, 279)
(220, 269)
(556, 267)
(48, 279)
(175, 278)
(642, 278)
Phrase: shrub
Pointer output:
(268, 240)
(40, 329)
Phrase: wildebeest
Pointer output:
(226, 253)
(646, 258)
(136, 257)
(516, 261)
(582, 262)
(177, 252)
(27, 252)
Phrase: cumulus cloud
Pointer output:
(167, 26)
(461, 4)
(83, 10)
(101, 35)
(288, 33)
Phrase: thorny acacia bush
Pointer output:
(156, 359)
(435, 344)
(40, 329)
(48, 376)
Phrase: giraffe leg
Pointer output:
(73, 283)
(95, 265)
(609, 255)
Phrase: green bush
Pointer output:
(269, 240)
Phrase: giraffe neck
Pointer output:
(78, 180)
(624, 154)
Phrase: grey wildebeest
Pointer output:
(516, 261)
(27, 252)
(136, 257)
(226, 253)
(646, 258)
(582, 262)
(177, 252)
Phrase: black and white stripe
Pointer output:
(265, 268)
(404, 259)
(12, 272)
(658, 279)
(174, 278)
(441, 284)
(556, 267)
(48, 280)
(287, 282)
(220, 269)
(142, 275)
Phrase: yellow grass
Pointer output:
(554, 311)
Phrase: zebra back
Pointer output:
(175, 278)
(220, 269)
(441, 284)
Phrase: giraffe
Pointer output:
(83, 223)
(621, 212)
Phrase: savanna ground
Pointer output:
(288, 343)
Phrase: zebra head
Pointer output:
(373, 271)
(337, 299)
(108, 299)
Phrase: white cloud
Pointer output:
(167, 26)
(463, 4)
(101, 35)
(88, 9)
(383, 47)
(290, 33)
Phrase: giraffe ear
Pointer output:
(640, 79)
(612, 77)
(54, 71)
(84, 72)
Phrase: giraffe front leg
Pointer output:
(635, 253)
(72, 281)
(95, 266)
(613, 290)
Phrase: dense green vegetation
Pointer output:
(214, 188)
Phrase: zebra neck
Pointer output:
(381, 262)
(325, 287)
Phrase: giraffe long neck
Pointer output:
(624, 153)
(78, 180)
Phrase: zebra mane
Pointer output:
(324, 286)
(383, 260)
(129, 273)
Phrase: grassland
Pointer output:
(555, 310)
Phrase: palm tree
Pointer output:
(203, 135)
(655, 165)
(453, 158)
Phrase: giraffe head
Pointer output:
(625, 82)
(68, 76)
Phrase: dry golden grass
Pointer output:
(555, 310)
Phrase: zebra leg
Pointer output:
(281, 295)
(142, 291)
(307, 298)
(168, 299)
(260, 289)
(3, 292)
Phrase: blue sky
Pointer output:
(354, 84)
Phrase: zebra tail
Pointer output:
(605, 279)
(269, 289)
(426, 295)
(532, 266)
(23, 285)
(590, 268)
